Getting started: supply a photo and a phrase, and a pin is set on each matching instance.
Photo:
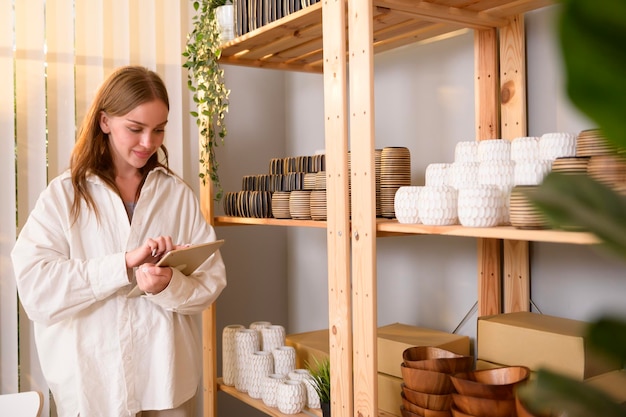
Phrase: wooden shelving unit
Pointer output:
(316, 39)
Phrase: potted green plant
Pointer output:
(320, 371)
(205, 78)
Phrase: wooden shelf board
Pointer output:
(500, 232)
(260, 405)
(391, 227)
(294, 43)
(234, 221)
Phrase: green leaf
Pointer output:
(592, 36)
(580, 201)
(608, 336)
(552, 393)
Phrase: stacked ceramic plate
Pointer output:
(570, 165)
(377, 169)
(300, 205)
(256, 204)
(309, 181)
(280, 205)
(591, 142)
(230, 204)
(609, 170)
(318, 205)
(522, 213)
(320, 180)
(395, 172)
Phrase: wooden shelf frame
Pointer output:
(295, 42)
(316, 40)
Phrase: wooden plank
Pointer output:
(260, 405)
(444, 14)
(209, 329)
(500, 232)
(362, 177)
(486, 84)
(516, 262)
(513, 79)
(487, 127)
(489, 280)
(338, 216)
(516, 276)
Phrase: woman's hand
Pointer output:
(150, 252)
(153, 279)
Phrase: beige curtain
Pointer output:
(53, 55)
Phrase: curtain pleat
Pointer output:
(53, 56)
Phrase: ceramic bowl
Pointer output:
(424, 400)
(436, 174)
(481, 206)
(432, 358)
(497, 383)
(484, 407)
(429, 382)
(557, 145)
(463, 175)
(437, 205)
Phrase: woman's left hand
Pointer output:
(153, 279)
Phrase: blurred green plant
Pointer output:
(592, 36)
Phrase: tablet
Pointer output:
(185, 260)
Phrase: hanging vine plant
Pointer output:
(205, 79)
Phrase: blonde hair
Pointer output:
(126, 88)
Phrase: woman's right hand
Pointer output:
(150, 252)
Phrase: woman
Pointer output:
(95, 233)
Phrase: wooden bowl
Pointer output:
(484, 407)
(429, 382)
(424, 412)
(432, 358)
(522, 411)
(497, 383)
(458, 413)
(425, 400)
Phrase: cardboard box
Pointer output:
(392, 341)
(538, 340)
(389, 394)
(612, 383)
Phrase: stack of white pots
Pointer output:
(475, 189)
(256, 360)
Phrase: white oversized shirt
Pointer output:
(104, 354)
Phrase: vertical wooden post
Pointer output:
(516, 263)
(363, 179)
(209, 336)
(487, 127)
(338, 216)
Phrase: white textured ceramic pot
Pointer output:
(270, 387)
(284, 359)
(261, 365)
(405, 204)
(480, 206)
(272, 337)
(437, 205)
(291, 396)
(229, 357)
(246, 343)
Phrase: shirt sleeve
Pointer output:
(52, 285)
(194, 293)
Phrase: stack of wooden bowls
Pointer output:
(427, 388)
(487, 392)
